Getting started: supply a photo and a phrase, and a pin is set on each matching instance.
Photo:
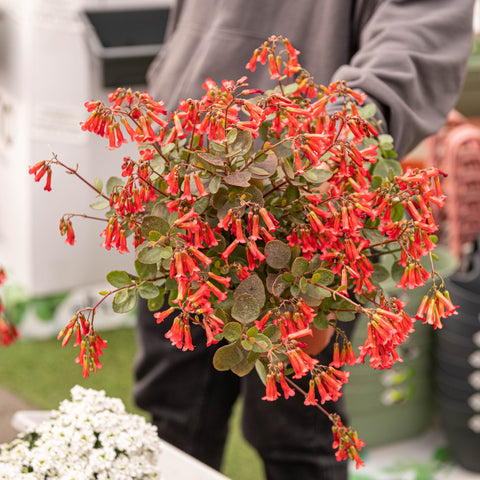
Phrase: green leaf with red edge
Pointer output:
(245, 308)
(227, 357)
(278, 254)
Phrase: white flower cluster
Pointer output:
(88, 438)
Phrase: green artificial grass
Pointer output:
(42, 373)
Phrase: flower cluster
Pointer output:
(262, 216)
(90, 437)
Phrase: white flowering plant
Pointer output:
(91, 437)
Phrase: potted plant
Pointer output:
(90, 436)
(261, 215)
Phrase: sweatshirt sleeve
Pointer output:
(411, 61)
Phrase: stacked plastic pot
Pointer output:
(387, 406)
(392, 405)
(457, 369)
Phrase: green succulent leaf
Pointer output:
(278, 254)
(254, 287)
(232, 331)
(300, 266)
(245, 308)
(227, 357)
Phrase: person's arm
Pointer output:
(411, 61)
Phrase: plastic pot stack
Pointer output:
(394, 404)
(457, 369)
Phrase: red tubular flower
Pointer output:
(287, 390)
(200, 256)
(226, 253)
(8, 332)
(187, 341)
(225, 281)
(271, 388)
(121, 243)
(161, 316)
(198, 182)
(252, 62)
(310, 398)
(70, 233)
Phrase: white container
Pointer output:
(174, 464)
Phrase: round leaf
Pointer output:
(317, 175)
(214, 184)
(100, 205)
(151, 223)
(125, 300)
(300, 266)
(232, 331)
(150, 255)
(215, 160)
(278, 254)
(238, 179)
(145, 270)
(323, 276)
(118, 278)
(279, 285)
(245, 308)
(379, 274)
(227, 357)
(254, 287)
(244, 367)
(243, 142)
(147, 290)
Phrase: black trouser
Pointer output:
(190, 403)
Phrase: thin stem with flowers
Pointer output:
(260, 216)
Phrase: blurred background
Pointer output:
(54, 56)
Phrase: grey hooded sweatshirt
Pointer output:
(408, 56)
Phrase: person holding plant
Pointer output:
(409, 58)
